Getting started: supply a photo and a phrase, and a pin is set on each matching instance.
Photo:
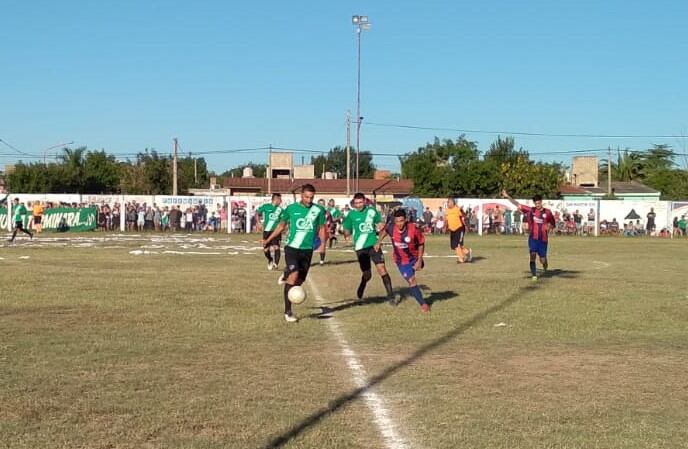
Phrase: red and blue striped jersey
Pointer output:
(405, 242)
(537, 221)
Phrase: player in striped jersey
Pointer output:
(540, 221)
(408, 245)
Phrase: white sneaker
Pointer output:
(281, 280)
(470, 254)
(322, 262)
(290, 318)
(270, 266)
(274, 266)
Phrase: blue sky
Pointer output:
(130, 75)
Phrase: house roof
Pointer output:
(336, 186)
(619, 188)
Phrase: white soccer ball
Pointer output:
(297, 294)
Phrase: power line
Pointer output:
(15, 149)
(523, 133)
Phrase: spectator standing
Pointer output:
(518, 229)
(650, 225)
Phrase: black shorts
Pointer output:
(277, 241)
(297, 260)
(365, 255)
(19, 225)
(456, 238)
(37, 219)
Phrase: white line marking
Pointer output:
(600, 265)
(392, 438)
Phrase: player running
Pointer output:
(328, 224)
(336, 220)
(362, 222)
(455, 223)
(20, 212)
(270, 214)
(305, 220)
(408, 245)
(540, 221)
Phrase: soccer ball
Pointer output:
(297, 294)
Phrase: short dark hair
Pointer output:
(536, 198)
(308, 188)
(359, 196)
(399, 213)
(276, 195)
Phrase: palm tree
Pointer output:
(73, 161)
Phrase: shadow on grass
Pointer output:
(326, 311)
(340, 262)
(565, 274)
(353, 395)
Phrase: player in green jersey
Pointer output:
(306, 221)
(270, 216)
(362, 223)
(19, 211)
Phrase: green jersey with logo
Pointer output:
(362, 224)
(304, 224)
(19, 212)
(335, 212)
(270, 216)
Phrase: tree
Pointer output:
(101, 173)
(73, 165)
(504, 150)
(335, 161)
(453, 168)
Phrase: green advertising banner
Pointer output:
(78, 219)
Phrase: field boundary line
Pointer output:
(381, 414)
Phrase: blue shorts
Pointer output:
(407, 270)
(537, 246)
(316, 243)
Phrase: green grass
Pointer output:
(100, 348)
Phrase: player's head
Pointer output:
(537, 199)
(359, 201)
(321, 202)
(331, 202)
(451, 202)
(400, 218)
(276, 199)
(307, 194)
(16, 201)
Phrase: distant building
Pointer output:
(281, 166)
(585, 171)
(382, 174)
(622, 190)
(387, 188)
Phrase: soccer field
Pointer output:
(123, 341)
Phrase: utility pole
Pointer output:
(174, 167)
(195, 171)
(609, 171)
(348, 153)
(269, 170)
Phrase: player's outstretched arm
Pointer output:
(511, 200)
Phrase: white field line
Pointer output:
(388, 429)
